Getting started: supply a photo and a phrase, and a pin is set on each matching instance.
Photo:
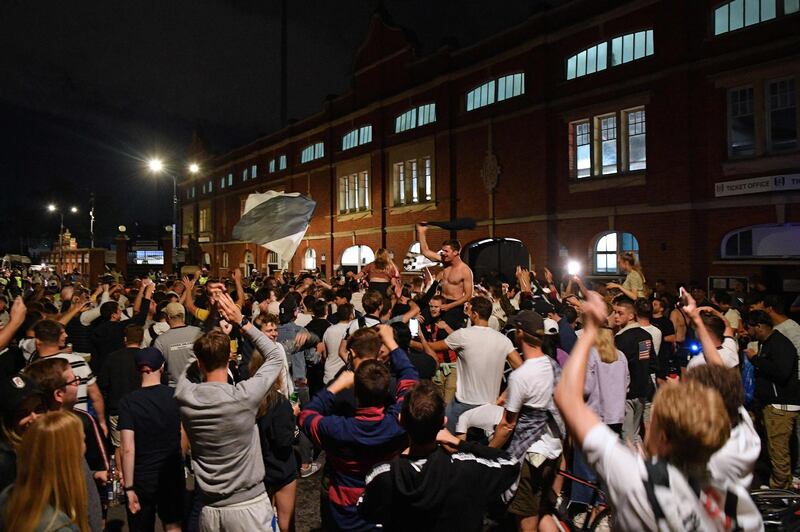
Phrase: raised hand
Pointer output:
(595, 308)
(228, 308)
(18, 310)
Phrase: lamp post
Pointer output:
(54, 208)
(156, 166)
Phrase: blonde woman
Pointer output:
(381, 273)
(634, 284)
(50, 490)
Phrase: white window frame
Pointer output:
(415, 117)
(413, 181)
(619, 248)
(354, 192)
(622, 144)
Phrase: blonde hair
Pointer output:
(694, 420)
(630, 258)
(49, 474)
(381, 261)
(605, 346)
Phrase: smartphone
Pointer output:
(413, 324)
(681, 297)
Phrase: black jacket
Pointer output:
(109, 336)
(438, 492)
(637, 345)
(776, 371)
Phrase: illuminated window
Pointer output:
(253, 171)
(354, 191)
(357, 137)
(230, 179)
(272, 166)
(496, 90)
(244, 174)
(204, 221)
(356, 257)
(608, 143)
(416, 117)
(282, 162)
(222, 182)
(312, 152)
(624, 49)
(412, 181)
(310, 259)
(593, 59)
(607, 248)
(739, 14)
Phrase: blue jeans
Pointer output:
(580, 468)
(454, 410)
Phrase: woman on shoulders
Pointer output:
(634, 284)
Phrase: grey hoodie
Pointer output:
(219, 419)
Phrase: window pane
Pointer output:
(627, 48)
(428, 180)
(616, 51)
(470, 100)
(782, 115)
(737, 14)
(742, 126)
(365, 188)
(721, 20)
(591, 60)
(600, 263)
(414, 183)
(283, 162)
(401, 183)
(768, 9)
(602, 50)
(650, 48)
(639, 46)
(572, 63)
(582, 63)
(637, 157)
(583, 153)
(501, 88)
(789, 6)
(751, 12)
(608, 138)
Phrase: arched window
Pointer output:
(607, 248)
(356, 257)
(310, 259)
(762, 241)
(414, 261)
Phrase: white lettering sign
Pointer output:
(755, 185)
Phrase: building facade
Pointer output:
(664, 127)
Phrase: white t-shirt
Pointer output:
(354, 325)
(737, 458)
(791, 330)
(333, 362)
(655, 332)
(482, 353)
(303, 319)
(729, 353)
(274, 308)
(485, 417)
(531, 385)
(623, 472)
(734, 318)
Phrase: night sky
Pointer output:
(90, 89)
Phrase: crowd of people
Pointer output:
(422, 402)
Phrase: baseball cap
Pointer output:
(150, 357)
(15, 390)
(173, 310)
(550, 326)
(529, 321)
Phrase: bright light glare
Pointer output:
(155, 165)
(194, 168)
(73, 209)
(51, 208)
(573, 267)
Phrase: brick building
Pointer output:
(668, 127)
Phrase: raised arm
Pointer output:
(17, 317)
(709, 346)
(422, 231)
(579, 418)
(237, 278)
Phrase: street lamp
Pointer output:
(54, 208)
(156, 166)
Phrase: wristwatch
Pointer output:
(130, 488)
(244, 321)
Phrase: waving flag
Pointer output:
(276, 220)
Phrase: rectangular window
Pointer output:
(319, 150)
(428, 179)
(272, 166)
(254, 171)
(631, 47)
(350, 140)
(637, 149)
(741, 128)
(222, 182)
(791, 6)
(230, 179)
(210, 186)
(781, 115)
(365, 135)
(413, 181)
(400, 183)
(583, 149)
(244, 174)
(204, 222)
(193, 192)
(608, 144)
(354, 192)
(282, 162)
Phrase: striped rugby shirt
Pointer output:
(81, 370)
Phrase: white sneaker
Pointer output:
(312, 468)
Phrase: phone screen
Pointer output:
(413, 324)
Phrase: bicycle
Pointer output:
(779, 508)
(597, 515)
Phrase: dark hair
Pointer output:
(344, 293)
(753, 298)
(776, 303)
(570, 313)
(372, 301)
(213, 350)
(721, 296)
(625, 301)
(453, 243)
(320, 308)
(48, 331)
(108, 309)
(48, 373)
(365, 342)
(759, 317)
(644, 308)
(308, 303)
(134, 334)
(344, 312)
(422, 414)
(402, 335)
(714, 324)
(727, 381)
(372, 383)
(481, 306)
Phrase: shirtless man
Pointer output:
(457, 281)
